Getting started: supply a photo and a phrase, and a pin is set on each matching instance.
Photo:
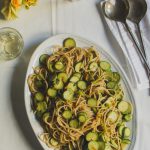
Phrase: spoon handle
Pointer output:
(140, 38)
(142, 47)
(139, 50)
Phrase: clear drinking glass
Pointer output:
(11, 43)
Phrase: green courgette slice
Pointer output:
(82, 85)
(93, 145)
(46, 116)
(58, 84)
(63, 76)
(39, 96)
(78, 66)
(112, 116)
(126, 132)
(77, 74)
(41, 107)
(124, 107)
(68, 94)
(120, 130)
(82, 118)
(69, 42)
(51, 92)
(59, 65)
(43, 59)
(93, 66)
(116, 77)
(92, 102)
(127, 117)
(105, 65)
(111, 85)
(74, 79)
(67, 114)
(74, 123)
(92, 136)
(72, 86)
(126, 141)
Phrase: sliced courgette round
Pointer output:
(93, 145)
(74, 123)
(39, 96)
(46, 116)
(82, 85)
(124, 107)
(126, 132)
(92, 136)
(120, 130)
(82, 118)
(63, 76)
(41, 107)
(74, 79)
(58, 84)
(109, 101)
(111, 85)
(43, 59)
(93, 66)
(67, 114)
(69, 42)
(116, 77)
(68, 94)
(126, 141)
(112, 116)
(127, 117)
(105, 65)
(51, 92)
(59, 65)
(78, 66)
(92, 102)
(72, 86)
(77, 74)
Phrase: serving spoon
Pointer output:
(137, 10)
(118, 10)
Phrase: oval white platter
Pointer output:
(45, 48)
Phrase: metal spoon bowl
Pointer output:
(137, 10)
(116, 10)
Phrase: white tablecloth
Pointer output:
(35, 25)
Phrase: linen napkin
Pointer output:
(136, 70)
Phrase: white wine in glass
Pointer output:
(11, 43)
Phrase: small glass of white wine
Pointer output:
(11, 43)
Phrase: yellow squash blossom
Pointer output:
(29, 3)
(11, 7)
(16, 3)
